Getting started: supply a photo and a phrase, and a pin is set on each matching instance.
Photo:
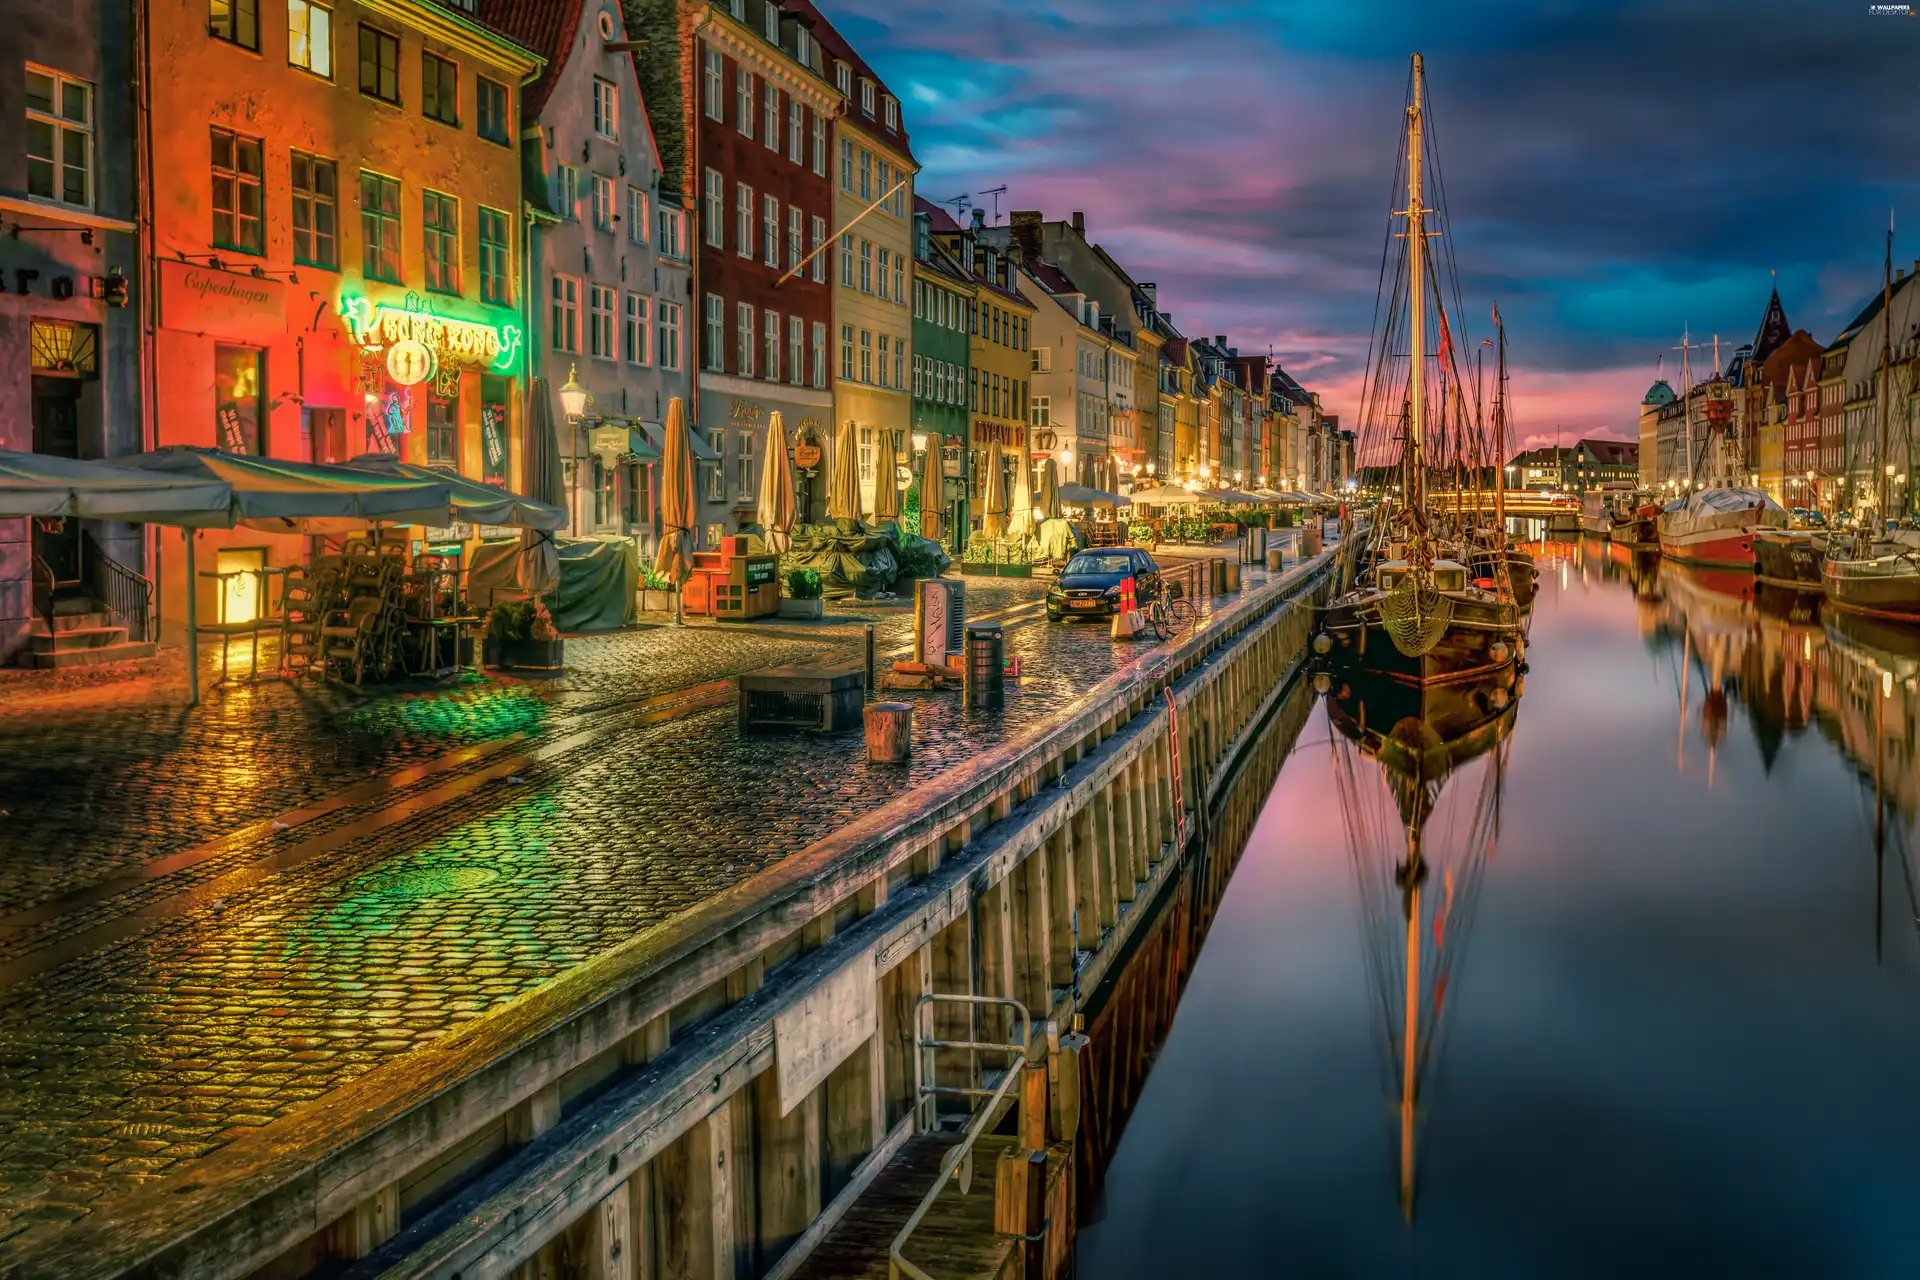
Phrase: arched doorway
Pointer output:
(810, 474)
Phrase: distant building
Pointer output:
(1576, 468)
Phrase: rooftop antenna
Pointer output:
(996, 193)
(959, 204)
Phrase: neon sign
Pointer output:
(380, 324)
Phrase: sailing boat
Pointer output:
(1419, 618)
(1713, 525)
(1881, 577)
(1420, 739)
(1491, 547)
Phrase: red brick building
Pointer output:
(756, 109)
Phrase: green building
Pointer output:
(942, 294)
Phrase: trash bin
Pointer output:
(986, 660)
(1256, 545)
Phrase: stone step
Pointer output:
(68, 639)
(91, 657)
(68, 606)
(68, 622)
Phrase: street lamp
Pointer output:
(573, 397)
(919, 442)
(1150, 470)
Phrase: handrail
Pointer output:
(42, 592)
(898, 1264)
(128, 596)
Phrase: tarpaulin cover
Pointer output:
(599, 579)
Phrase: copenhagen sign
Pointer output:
(381, 324)
(222, 304)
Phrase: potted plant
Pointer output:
(802, 599)
(656, 591)
(521, 636)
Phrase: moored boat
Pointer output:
(1637, 526)
(1885, 584)
(1443, 630)
(1717, 526)
(1789, 558)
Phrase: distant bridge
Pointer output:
(1527, 505)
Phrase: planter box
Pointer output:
(808, 610)
(526, 655)
(655, 601)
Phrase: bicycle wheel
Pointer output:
(1182, 611)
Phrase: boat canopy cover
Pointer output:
(1708, 501)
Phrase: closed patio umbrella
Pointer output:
(677, 510)
(1049, 501)
(993, 521)
(886, 484)
(932, 490)
(843, 486)
(1020, 522)
(775, 510)
(546, 484)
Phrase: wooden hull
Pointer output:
(1789, 559)
(1639, 533)
(1884, 588)
(1482, 640)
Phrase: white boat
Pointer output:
(1717, 526)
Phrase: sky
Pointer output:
(1615, 172)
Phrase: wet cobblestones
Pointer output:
(161, 1046)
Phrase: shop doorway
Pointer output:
(56, 431)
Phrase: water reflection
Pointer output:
(1682, 1038)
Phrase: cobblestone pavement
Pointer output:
(195, 1006)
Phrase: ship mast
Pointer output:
(1417, 300)
(1500, 428)
(1880, 465)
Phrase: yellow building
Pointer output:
(336, 243)
(873, 263)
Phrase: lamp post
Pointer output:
(574, 403)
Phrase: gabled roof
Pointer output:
(1774, 329)
(940, 222)
(941, 263)
(835, 45)
(1051, 278)
(1174, 350)
(545, 26)
(1612, 453)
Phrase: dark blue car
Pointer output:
(1089, 587)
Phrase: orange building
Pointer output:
(339, 239)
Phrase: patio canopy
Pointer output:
(38, 484)
(1164, 495)
(656, 435)
(282, 496)
(473, 502)
(1080, 495)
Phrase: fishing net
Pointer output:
(1415, 615)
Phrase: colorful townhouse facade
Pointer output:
(943, 297)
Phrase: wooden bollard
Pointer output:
(889, 732)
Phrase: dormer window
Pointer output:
(893, 111)
(803, 46)
(738, 8)
(843, 79)
(772, 13)
(866, 97)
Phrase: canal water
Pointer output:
(1669, 974)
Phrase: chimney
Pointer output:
(1220, 340)
(1024, 225)
(1152, 290)
(1080, 224)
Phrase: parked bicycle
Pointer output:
(1170, 611)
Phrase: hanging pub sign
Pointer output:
(464, 342)
(493, 443)
(806, 454)
(410, 362)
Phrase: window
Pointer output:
(843, 79)
(316, 209)
(819, 146)
(671, 231)
(669, 336)
(566, 314)
(866, 454)
(846, 261)
(236, 399)
(803, 45)
(771, 14)
(496, 258)
(919, 300)
(796, 349)
(236, 193)
(819, 259)
(439, 89)
(716, 341)
(603, 198)
(716, 211)
(235, 21)
(443, 433)
(600, 323)
(743, 115)
(639, 330)
(893, 112)
(885, 258)
(490, 110)
(770, 116)
(379, 227)
(900, 279)
(919, 377)
(899, 364)
(796, 247)
(866, 174)
(866, 97)
(440, 241)
(819, 354)
(716, 478)
(743, 212)
(866, 356)
(770, 231)
(886, 345)
(60, 138)
(846, 352)
(796, 131)
(743, 316)
(310, 37)
(772, 343)
(716, 109)
(606, 109)
(846, 164)
(379, 64)
(746, 473)
(637, 215)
